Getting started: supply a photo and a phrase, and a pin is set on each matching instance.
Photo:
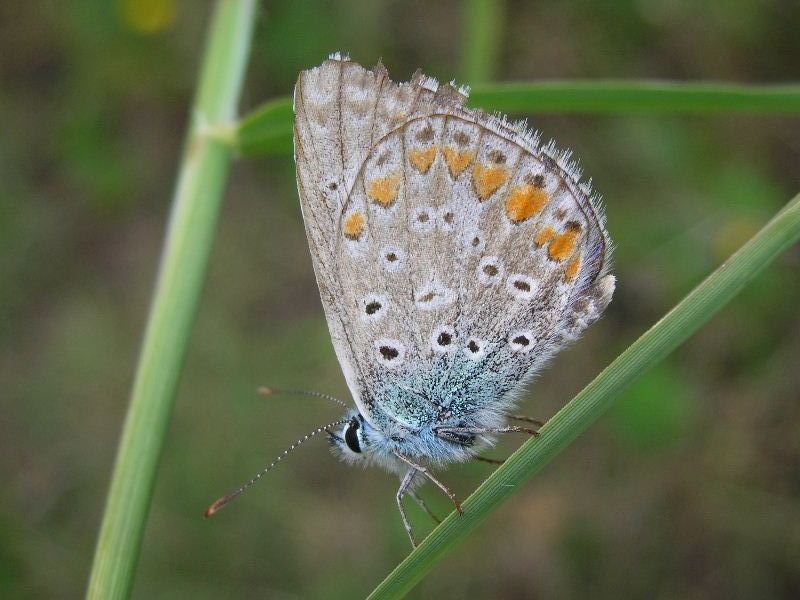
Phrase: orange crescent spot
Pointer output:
(524, 202)
(384, 190)
(423, 159)
(564, 244)
(457, 161)
(572, 269)
(544, 236)
(488, 179)
(354, 225)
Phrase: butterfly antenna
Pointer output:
(268, 391)
(233, 495)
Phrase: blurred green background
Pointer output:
(690, 488)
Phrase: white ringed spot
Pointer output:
(373, 307)
(423, 219)
(447, 218)
(390, 352)
(433, 295)
(476, 349)
(521, 341)
(393, 258)
(521, 286)
(474, 240)
(443, 339)
(490, 270)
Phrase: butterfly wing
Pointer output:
(453, 254)
(341, 109)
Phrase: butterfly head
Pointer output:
(354, 440)
(357, 441)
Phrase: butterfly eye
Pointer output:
(351, 435)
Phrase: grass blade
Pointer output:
(268, 129)
(583, 410)
(615, 96)
(481, 41)
(189, 239)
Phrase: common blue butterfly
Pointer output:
(454, 255)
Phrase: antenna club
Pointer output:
(211, 510)
(219, 503)
(268, 391)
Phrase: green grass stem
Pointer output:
(268, 129)
(481, 43)
(595, 399)
(213, 137)
(189, 239)
(633, 97)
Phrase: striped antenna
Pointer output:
(268, 391)
(211, 510)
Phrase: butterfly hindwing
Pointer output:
(454, 255)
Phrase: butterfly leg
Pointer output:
(448, 492)
(424, 506)
(489, 430)
(405, 486)
(525, 419)
(491, 461)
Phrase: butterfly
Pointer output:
(454, 255)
